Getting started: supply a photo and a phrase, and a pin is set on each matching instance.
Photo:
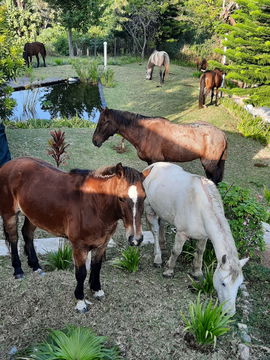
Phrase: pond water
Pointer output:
(63, 100)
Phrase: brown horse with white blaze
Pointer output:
(158, 139)
(33, 49)
(82, 205)
(209, 81)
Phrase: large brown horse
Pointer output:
(209, 81)
(83, 206)
(158, 139)
(33, 49)
(158, 58)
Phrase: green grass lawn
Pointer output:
(176, 100)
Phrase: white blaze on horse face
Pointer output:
(133, 194)
(227, 288)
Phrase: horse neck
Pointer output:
(104, 190)
(131, 132)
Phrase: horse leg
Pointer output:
(28, 235)
(212, 96)
(161, 79)
(162, 238)
(30, 57)
(43, 57)
(94, 279)
(153, 220)
(180, 239)
(216, 97)
(80, 258)
(10, 231)
(198, 258)
(37, 60)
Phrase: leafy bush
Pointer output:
(72, 343)
(266, 193)
(245, 215)
(206, 321)
(107, 78)
(129, 260)
(60, 259)
(248, 125)
(205, 285)
(87, 70)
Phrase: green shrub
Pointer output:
(74, 122)
(87, 70)
(129, 260)
(72, 343)
(245, 215)
(60, 259)
(266, 194)
(206, 321)
(205, 285)
(248, 125)
(107, 78)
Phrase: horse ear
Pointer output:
(243, 261)
(146, 172)
(119, 170)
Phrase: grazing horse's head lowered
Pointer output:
(158, 58)
(83, 206)
(106, 127)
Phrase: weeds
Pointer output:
(72, 343)
(87, 70)
(60, 259)
(266, 194)
(74, 122)
(129, 260)
(206, 321)
(107, 78)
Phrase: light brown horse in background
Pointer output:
(209, 81)
(158, 58)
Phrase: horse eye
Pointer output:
(223, 284)
(121, 199)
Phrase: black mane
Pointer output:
(127, 118)
(132, 175)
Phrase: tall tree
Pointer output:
(248, 50)
(77, 14)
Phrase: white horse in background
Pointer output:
(193, 205)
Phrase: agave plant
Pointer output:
(205, 285)
(60, 259)
(129, 260)
(207, 321)
(72, 343)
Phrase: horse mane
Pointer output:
(130, 174)
(127, 118)
(216, 201)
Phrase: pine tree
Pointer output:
(248, 50)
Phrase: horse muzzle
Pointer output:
(96, 143)
(133, 241)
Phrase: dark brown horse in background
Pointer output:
(158, 58)
(158, 139)
(83, 206)
(211, 80)
(33, 49)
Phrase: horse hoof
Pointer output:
(197, 277)
(40, 272)
(168, 274)
(158, 265)
(99, 294)
(82, 306)
(19, 276)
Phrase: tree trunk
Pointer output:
(95, 48)
(114, 49)
(70, 45)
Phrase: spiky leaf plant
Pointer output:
(205, 285)
(129, 260)
(73, 343)
(206, 321)
(60, 259)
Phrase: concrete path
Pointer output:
(42, 246)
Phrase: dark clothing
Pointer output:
(4, 150)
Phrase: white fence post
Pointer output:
(105, 54)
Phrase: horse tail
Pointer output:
(201, 95)
(166, 63)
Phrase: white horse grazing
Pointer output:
(193, 205)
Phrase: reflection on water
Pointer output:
(62, 100)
